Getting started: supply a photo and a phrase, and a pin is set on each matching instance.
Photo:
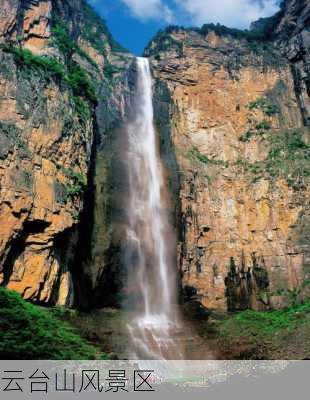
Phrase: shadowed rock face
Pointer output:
(293, 36)
(50, 134)
(229, 110)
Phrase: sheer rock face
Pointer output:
(226, 110)
(293, 37)
(223, 106)
(46, 148)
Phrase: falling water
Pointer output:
(149, 244)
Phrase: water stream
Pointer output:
(150, 243)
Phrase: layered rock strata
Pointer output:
(60, 79)
(231, 110)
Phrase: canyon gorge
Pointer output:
(231, 121)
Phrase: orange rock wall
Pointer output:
(46, 150)
(226, 212)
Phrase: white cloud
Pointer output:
(233, 13)
(149, 9)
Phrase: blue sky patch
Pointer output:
(134, 22)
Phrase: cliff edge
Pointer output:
(232, 109)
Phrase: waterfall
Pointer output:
(150, 243)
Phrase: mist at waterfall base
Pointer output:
(149, 245)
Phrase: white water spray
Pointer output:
(149, 243)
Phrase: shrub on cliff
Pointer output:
(31, 332)
(73, 75)
(260, 32)
(25, 58)
(67, 46)
(80, 83)
(95, 29)
(164, 41)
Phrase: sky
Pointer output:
(134, 22)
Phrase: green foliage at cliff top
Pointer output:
(165, 42)
(94, 27)
(31, 332)
(261, 31)
(251, 35)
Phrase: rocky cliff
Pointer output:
(61, 85)
(292, 34)
(232, 110)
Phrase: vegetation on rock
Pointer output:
(76, 187)
(288, 157)
(67, 46)
(257, 334)
(94, 28)
(80, 83)
(261, 32)
(263, 104)
(26, 59)
(164, 41)
(73, 76)
(195, 154)
(31, 332)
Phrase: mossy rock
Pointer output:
(29, 332)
